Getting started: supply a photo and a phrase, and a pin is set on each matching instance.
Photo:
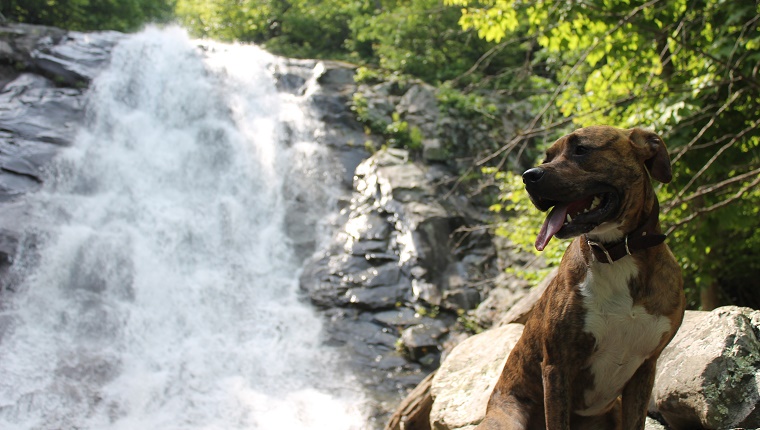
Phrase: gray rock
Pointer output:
(336, 74)
(402, 317)
(78, 57)
(434, 150)
(464, 382)
(378, 297)
(419, 99)
(427, 292)
(34, 110)
(709, 374)
(419, 107)
(461, 298)
(395, 252)
(18, 41)
(423, 339)
(385, 275)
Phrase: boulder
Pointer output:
(465, 380)
(709, 375)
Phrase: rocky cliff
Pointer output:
(409, 258)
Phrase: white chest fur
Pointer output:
(625, 334)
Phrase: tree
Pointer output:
(686, 68)
(420, 38)
(87, 15)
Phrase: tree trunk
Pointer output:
(708, 296)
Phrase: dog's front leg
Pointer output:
(636, 395)
(556, 397)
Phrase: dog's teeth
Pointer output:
(597, 201)
(569, 219)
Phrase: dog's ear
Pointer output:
(652, 150)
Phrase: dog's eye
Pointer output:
(581, 150)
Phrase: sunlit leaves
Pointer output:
(492, 19)
(688, 69)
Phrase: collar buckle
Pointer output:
(601, 247)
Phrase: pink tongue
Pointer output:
(552, 224)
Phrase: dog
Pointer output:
(587, 356)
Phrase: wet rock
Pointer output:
(378, 297)
(35, 111)
(41, 107)
(18, 41)
(77, 57)
(328, 86)
(9, 241)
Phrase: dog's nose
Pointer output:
(533, 175)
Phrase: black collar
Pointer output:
(646, 236)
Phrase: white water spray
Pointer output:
(162, 292)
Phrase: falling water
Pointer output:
(158, 283)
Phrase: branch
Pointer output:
(714, 207)
(704, 129)
(480, 60)
(509, 146)
(707, 189)
(720, 151)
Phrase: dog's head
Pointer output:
(595, 181)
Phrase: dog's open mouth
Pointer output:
(568, 219)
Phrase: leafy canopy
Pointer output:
(83, 15)
(685, 68)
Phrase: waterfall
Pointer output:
(158, 283)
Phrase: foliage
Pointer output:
(670, 66)
(82, 15)
(416, 37)
(397, 133)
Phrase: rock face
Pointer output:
(42, 104)
(398, 273)
(709, 375)
(43, 72)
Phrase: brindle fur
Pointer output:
(548, 371)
